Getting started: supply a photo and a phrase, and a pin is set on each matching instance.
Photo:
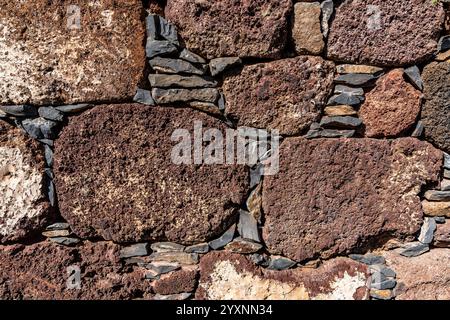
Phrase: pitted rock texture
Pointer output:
(116, 179)
(333, 196)
(286, 95)
(426, 277)
(436, 109)
(41, 271)
(24, 208)
(221, 28)
(226, 276)
(392, 107)
(385, 33)
(68, 52)
(180, 281)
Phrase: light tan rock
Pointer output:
(357, 68)
(306, 30)
(341, 110)
(436, 209)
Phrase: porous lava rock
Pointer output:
(332, 196)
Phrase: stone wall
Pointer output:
(351, 97)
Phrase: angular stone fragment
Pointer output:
(368, 258)
(230, 28)
(225, 276)
(166, 247)
(372, 190)
(114, 162)
(155, 48)
(144, 97)
(357, 68)
(280, 263)
(349, 90)
(435, 195)
(444, 43)
(436, 209)
(155, 269)
(442, 235)
(24, 208)
(189, 56)
(340, 122)
(418, 130)
(443, 56)
(306, 31)
(340, 110)
(426, 277)
(381, 268)
(327, 7)
(168, 65)
(40, 128)
(248, 226)
(178, 257)
(224, 239)
(219, 65)
(20, 110)
(356, 79)
(332, 133)
(413, 249)
(345, 99)
(381, 294)
(166, 81)
(56, 233)
(65, 241)
(198, 248)
(385, 33)
(436, 109)
(70, 52)
(243, 246)
(254, 203)
(413, 74)
(170, 297)
(392, 107)
(51, 113)
(57, 226)
(163, 96)
(286, 95)
(176, 282)
(135, 250)
(74, 108)
(427, 230)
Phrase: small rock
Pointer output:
(51, 192)
(155, 48)
(444, 43)
(135, 250)
(48, 153)
(248, 226)
(191, 57)
(207, 107)
(66, 241)
(369, 259)
(259, 259)
(348, 90)
(327, 11)
(56, 233)
(345, 99)
(447, 174)
(446, 160)
(256, 174)
(168, 65)
(340, 122)
(20, 110)
(167, 81)
(167, 31)
(57, 226)
(280, 263)
(221, 102)
(180, 257)
(74, 108)
(48, 142)
(436, 209)
(151, 24)
(355, 79)
(185, 95)
(178, 296)
(382, 269)
(381, 294)
(198, 248)
(40, 128)
(226, 238)
(166, 247)
(439, 219)
(387, 284)
(243, 246)
(155, 269)
(358, 69)
(51, 113)
(340, 110)
(144, 97)
(413, 249)
(254, 203)
(418, 131)
(219, 65)
(330, 133)
(436, 195)
(443, 56)
(306, 33)
(442, 235)
(413, 74)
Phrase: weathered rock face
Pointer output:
(225, 276)
(255, 28)
(23, 204)
(42, 270)
(426, 277)
(436, 110)
(385, 33)
(59, 52)
(116, 179)
(331, 196)
(306, 30)
(285, 95)
(442, 235)
(392, 107)
(176, 282)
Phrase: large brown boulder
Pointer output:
(24, 207)
(115, 177)
(254, 28)
(436, 110)
(392, 107)
(385, 33)
(68, 52)
(333, 196)
(227, 276)
(286, 95)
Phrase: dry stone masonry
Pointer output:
(116, 177)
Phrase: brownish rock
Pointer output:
(286, 95)
(333, 196)
(385, 33)
(392, 107)
(116, 179)
(340, 111)
(254, 28)
(426, 277)
(225, 276)
(24, 207)
(184, 280)
(60, 52)
(442, 235)
(436, 209)
(436, 109)
(306, 30)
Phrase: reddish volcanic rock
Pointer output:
(332, 196)
(176, 282)
(116, 179)
(286, 95)
(385, 33)
(392, 107)
(68, 52)
(442, 235)
(225, 276)
(254, 28)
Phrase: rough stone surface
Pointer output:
(385, 33)
(442, 235)
(46, 58)
(426, 277)
(436, 209)
(392, 107)
(225, 276)
(23, 205)
(115, 160)
(286, 95)
(348, 192)
(436, 110)
(212, 29)
(184, 280)
(306, 30)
